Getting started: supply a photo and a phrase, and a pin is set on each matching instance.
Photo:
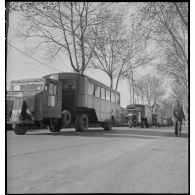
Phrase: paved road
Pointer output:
(120, 161)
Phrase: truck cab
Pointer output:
(142, 114)
(32, 102)
(134, 117)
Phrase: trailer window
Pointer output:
(97, 91)
(91, 90)
(103, 94)
(117, 99)
(107, 95)
(112, 97)
(69, 85)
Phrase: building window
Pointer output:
(103, 94)
(97, 91)
(107, 95)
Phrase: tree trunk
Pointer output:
(129, 89)
(83, 55)
(7, 19)
(132, 83)
(111, 82)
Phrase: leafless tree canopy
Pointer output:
(114, 39)
(149, 89)
(61, 28)
(168, 25)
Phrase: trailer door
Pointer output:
(69, 89)
(54, 99)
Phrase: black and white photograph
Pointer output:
(97, 97)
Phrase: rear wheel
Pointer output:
(130, 125)
(147, 124)
(81, 122)
(19, 129)
(55, 124)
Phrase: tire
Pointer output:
(130, 125)
(19, 129)
(55, 124)
(142, 124)
(108, 126)
(81, 122)
(76, 122)
(66, 117)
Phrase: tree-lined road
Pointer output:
(122, 160)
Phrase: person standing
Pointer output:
(178, 114)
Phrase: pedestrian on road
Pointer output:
(178, 114)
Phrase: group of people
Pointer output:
(178, 113)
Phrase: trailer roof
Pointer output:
(64, 74)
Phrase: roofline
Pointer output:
(80, 74)
(28, 80)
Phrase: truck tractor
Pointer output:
(139, 114)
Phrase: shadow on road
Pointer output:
(115, 133)
(93, 134)
(183, 135)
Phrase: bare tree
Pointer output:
(139, 90)
(109, 43)
(150, 89)
(167, 107)
(59, 28)
(168, 24)
(7, 18)
(119, 49)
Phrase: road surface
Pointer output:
(123, 160)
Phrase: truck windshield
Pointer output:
(35, 86)
(18, 87)
(27, 86)
(131, 111)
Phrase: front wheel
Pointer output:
(19, 129)
(130, 124)
(55, 125)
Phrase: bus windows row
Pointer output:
(102, 93)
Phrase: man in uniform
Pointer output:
(178, 114)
